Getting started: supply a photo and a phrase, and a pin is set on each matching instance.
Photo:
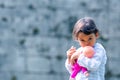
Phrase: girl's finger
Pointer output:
(72, 47)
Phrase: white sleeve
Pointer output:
(93, 63)
(68, 66)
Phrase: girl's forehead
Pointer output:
(82, 35)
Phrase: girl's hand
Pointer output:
(74, 57)
(70, 53)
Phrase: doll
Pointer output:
(88, 52)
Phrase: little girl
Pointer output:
(86, 33)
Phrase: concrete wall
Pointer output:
(35, 34)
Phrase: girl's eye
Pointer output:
(82, 40)
(90, 39)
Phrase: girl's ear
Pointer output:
(97, 35)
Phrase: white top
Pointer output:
(95, 65)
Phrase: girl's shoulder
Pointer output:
(98, 45)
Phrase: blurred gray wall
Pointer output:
(35, 34)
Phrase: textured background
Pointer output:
(35, 34)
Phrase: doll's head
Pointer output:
(88, 51)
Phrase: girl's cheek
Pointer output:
(82, 45)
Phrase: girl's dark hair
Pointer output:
(85, 25)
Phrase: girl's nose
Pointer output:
(87, 43)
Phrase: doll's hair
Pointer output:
(85, 25)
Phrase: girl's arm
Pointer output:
(70, 52)
(94, 62)
(68, 66)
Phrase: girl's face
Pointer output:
(87, 40)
